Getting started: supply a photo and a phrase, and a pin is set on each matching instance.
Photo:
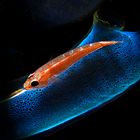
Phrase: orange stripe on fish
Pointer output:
(44, 74)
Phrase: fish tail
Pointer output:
(106, 43)
(98, 45)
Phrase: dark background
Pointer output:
(27, 41)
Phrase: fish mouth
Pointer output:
(14, 94)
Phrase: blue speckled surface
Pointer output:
(91, 82)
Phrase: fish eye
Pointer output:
(34, 83)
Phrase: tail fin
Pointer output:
(98, 45)
(104, 43)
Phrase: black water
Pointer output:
(28, 41)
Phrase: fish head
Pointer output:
(36, 80)
(31, 81)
